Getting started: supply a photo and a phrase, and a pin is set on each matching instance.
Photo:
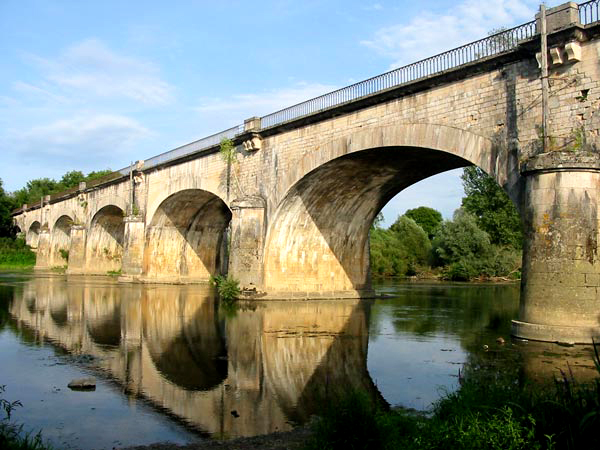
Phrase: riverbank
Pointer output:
(15, 255)
(295, 439)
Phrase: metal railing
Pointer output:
(490, 46)
(588, 12)
(190, 148)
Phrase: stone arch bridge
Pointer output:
(297, 202)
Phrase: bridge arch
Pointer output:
(186, 237)
(32, 236)
(60, 240)
(104, 248)
(317, 240)
(114, 200)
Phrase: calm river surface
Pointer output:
(171, 364)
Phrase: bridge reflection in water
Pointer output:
(261, 368)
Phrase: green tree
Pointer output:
(413, 239)
(467, 252)
(71, 179)
(493, 210)
(94, 175)
(35, 190)
(400, 250)
(7, 205)
(427, 218)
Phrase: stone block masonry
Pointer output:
(290, 215)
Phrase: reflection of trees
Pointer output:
(6, 294)
(471, 312)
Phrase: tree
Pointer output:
(466, 250)
(7, 205)
(413, 239)
(94, 175)
(71, 179)
(35, 190)
(427, 218)
(399, 250)
(493, 210)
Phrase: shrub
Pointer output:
(228, 288)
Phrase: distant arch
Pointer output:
(60, 241)
(106, 234)
(32, 237)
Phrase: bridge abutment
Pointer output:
(561, 270)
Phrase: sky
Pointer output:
(91, 85)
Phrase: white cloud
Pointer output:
(216, 114)
(429, 34)
(90, 68)
(265, 102)
(92, 138)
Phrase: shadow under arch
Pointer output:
(185, 240)
(104, 247)
(60, 241)
(32, 236)
(318, 240)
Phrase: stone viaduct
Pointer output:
(290, 212)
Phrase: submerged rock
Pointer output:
(83, 384)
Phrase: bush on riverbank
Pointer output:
(15, 254)
(491, 410)
(400, 250)
(465, 251)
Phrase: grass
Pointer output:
(491, 410)
(12, 436)
(114, 273)
(14, 254)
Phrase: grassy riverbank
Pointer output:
(491, 410)
(14, 254)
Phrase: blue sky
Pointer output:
(90, 85)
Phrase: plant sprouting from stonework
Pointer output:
(227, 150)
(578, 139)
(229, 155)
(64, 254)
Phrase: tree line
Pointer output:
(34, 190)
(483, 239)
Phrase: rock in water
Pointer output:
(83, 384)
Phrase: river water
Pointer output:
(172, 364)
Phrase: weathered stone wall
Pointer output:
(319, 182)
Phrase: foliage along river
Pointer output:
(171, 364)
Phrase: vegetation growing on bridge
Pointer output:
(483, 239)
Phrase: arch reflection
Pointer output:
(271, 362)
